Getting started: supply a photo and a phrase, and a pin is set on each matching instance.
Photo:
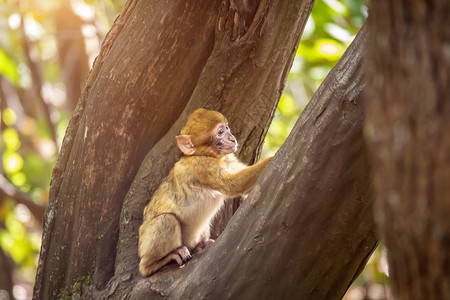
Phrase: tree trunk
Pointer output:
(408, 129)
(160, 61)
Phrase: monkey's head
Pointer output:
(206, 133)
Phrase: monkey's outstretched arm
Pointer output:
(235, 184)
(243, 181)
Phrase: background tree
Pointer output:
(35, 111)
(408, 124)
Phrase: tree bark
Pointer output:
(160, 61)
(407, 128)
(6, 274)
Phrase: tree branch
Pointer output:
(10, 190)
(37, 84)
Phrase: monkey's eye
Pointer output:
(220, 131)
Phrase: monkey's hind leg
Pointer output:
(179, 255)
(160, 243)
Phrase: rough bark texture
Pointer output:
(160, 61)
(408, 128)
(6, 271)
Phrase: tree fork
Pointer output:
(306, 230)
(130, 99)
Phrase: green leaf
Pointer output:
(9, 116)
(287, 105)
(11, 139)
(37, 170)
(8, 68)
(18, 179)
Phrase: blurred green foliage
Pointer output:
(8, 68)
(37, 75)
(40, 82)
(330, 29)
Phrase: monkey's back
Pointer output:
(181, 194)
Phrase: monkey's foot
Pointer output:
(204, 243)
(180, 255)
(184, 253)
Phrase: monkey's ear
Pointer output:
(185, 144)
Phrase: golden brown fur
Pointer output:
(177, 219)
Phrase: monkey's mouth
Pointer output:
(230, 147)
(227, 147)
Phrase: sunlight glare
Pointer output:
(329, 49)
(14, 21)
(33, 29)
(19, 292)
(22, 213)
(336, 5)
(47, 148)
(83, 10)
(339, 33)
(12, 162)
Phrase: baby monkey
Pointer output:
(177, 219)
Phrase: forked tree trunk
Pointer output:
(160, 61)
(408, 128)
(306, 230)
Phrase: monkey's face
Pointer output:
(223, 140)
(206, 133)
